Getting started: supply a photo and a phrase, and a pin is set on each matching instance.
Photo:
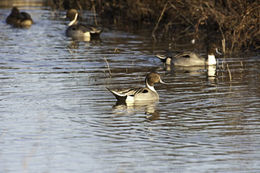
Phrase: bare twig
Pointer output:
(94, 11)
(224, 46)
(160, 18)
(229, 73)
(185, 18)
(108, 67)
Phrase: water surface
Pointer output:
(57, 116)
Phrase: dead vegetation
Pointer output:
(235, 24)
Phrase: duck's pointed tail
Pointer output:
(118, 95)
(161, 57)
(95, 30)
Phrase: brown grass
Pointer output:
(235, 24)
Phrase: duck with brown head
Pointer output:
(147, 93)
(80, 31)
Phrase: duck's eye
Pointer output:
(145, 91)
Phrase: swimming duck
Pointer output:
(147, 93)
(80, 31)
(191, 58)
(19, 19)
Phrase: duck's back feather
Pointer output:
(134, 93)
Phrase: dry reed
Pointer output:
(235, 24)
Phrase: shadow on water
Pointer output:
(57, 116)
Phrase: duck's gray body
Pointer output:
(80, 31)
(134, 94)
(190, 58)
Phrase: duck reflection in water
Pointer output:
(74, 45)
(148, 107)
(209, 72)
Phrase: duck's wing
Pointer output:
(121, 94)
(161, 57)
(184, 55)
(164, 57)
(90, 28)
(95, 30)
(25, 16)
(188, 59)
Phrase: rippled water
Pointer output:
(57, 116)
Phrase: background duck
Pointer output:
(19, 19)
(147, 93)
(80, 31)
(70, 15)
(190, 58)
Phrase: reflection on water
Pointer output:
(145, 107)
(57, 116)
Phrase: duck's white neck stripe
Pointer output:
(149, 86)
(74, 20)
(212, 60)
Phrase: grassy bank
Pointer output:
(235, 24)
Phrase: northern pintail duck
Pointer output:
(191, 58)
(80, 31)
(19, 19)
(147, 93)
